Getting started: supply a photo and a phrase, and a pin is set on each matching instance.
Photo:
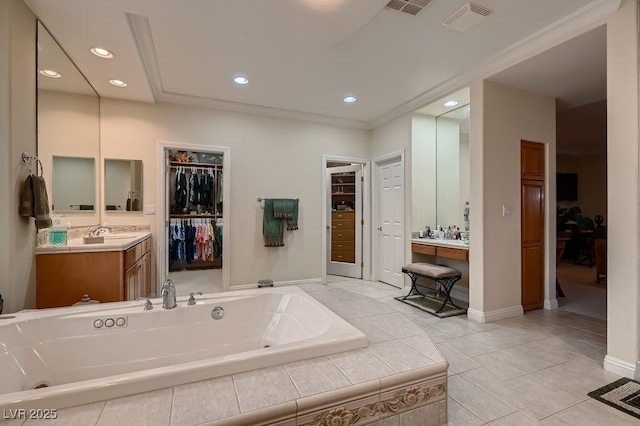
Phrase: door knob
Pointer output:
(380, 228)
(331, 227)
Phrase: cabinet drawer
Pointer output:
(146, 246)
(343, 256)
(131, 255)
(343, 246)
(338, 235)
(422, 249)
(343, 215)
(344, 225)
(452, 253)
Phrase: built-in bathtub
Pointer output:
(97, 352)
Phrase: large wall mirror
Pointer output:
(68, 134)
(440, 163)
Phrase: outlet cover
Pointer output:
(506, 210)
(149, 209)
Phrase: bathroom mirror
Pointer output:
(73, 187)
(68, 132)
(122, 185)
(452, 165)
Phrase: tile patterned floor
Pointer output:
(534, 369)
(528, 370)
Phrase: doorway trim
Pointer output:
(366, 212)
(377, 162)
(162, 213)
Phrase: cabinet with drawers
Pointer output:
(343, 236)
(106, 275)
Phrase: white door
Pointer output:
(344, 221)
(391, 219)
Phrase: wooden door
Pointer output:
(532, 225)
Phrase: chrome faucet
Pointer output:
(168, 294)
(100, 230)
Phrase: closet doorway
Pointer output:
(346, 239)
(193, 230)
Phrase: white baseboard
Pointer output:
(496, 315)
(278, 283)
(551, 304)
(619, 367)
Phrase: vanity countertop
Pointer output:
(112, 242)
(458, 244)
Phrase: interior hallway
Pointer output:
(583, 295)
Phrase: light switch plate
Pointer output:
(506, 210)
(149, 209)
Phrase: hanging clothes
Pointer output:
(190, 236)
(180, 195)
(194, 188)
(219, 188)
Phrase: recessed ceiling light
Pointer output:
(241, 80)
(101, 52)
(118, 83)
(50, 73)
(349, 99)
(451, 103)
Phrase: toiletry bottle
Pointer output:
(441, 233)
(58, 233)
(447, 234)
(428, 232)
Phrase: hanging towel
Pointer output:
(40, 202)
(26, 198)
(272, 228)
(286, 208)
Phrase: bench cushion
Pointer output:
(431, 270)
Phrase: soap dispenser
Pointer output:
(58, 232)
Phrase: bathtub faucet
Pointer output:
(168, 294)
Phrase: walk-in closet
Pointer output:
(195, 221)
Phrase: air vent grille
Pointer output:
(411, 7)
(466, 17)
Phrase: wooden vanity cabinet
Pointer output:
(106, 276)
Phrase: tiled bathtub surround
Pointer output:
(528, 370)
(73, 233)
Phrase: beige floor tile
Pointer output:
(458, 362)
(315, 375)
(424, 345)
(587, 414)
(457, 415)
(477, 344)
(478, 401)
(615, 411)
(542, 394)
(552, 349)
(342, 310)
(262, 388)
(368, 308)
(149, 408)
(482, 378)
(400, 356)
(396, 325)
(501, 370)
(525, 361)
(374, 333)
(215, 399)
(583, 348)
(515, 419)
(360, 365)
(444, 331)
(553, 421)
(567, 380)
(464, 321)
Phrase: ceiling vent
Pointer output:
(412, 7)
(466, 17)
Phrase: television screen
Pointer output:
(567, 187)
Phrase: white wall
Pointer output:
(69, 126)
(269, 158)
(592, 182)
(423, 172)
(501, 117)
(395, 136)
(622, 183)
(17, 134)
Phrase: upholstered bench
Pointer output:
(443, 276)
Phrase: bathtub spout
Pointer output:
(168, 294)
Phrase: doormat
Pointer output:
(623, 394)
(431, 305)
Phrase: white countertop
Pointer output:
(112, 242)
(458, 244)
